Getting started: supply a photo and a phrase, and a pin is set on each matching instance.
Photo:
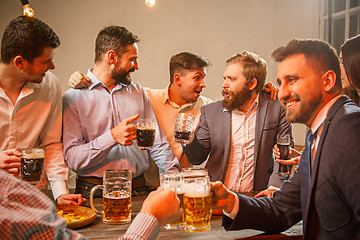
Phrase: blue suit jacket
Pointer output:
(333, 207)
(213, 140)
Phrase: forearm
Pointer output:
(144, 226)
(80, 155)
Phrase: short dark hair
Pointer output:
(186, 61)
(26, 37)
(113, 38)
(254, 67)
(351, 60)
(321, 53)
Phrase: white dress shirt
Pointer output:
(36, 121)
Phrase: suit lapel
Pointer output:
(260, 121)
(226, 137)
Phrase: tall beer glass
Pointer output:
(197, 202)
(175, 180)
(116, 196)
(283, 143)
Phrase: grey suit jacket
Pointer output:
(213, 139)
(332, 210)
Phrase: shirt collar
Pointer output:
(175, 105)
(95, 82)
(322, 115)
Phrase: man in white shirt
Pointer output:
(31, 103)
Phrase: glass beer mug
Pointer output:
(116, 196)
(32, 165)
(175, 180)
(197, 202)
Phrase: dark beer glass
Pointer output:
(32, 165)
(145, 133)
(184, 128)
(283, 143)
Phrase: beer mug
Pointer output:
(194, 171)
(197, 203)
(175, 180)
(184, 128)
(116, 196)
(145, 133)
(32, 165)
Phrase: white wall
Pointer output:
(215, 29)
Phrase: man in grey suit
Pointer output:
(323, 191)
(239, 132)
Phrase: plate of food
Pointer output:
(76, 216)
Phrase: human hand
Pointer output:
(162, 204)
(10, 161)
(124, 133)
(78, 80)
(291, 161)
(267, 192)
(222, 198)
(70, 199)
(272, 89)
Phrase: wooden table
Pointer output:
(99, 230)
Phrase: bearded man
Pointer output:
(237, 134)
(98, 132)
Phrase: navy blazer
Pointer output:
(213, 140)
(333, 207)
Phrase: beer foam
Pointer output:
(196, 190)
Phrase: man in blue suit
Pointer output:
(323, 192)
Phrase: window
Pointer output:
(339, 20)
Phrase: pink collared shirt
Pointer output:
(240, 173)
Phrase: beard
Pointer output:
(306, 112)
(122, 76)
(236, 100)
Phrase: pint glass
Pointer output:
(175, 180)
(197, 202)
(283, 143)
(32, 165)
(116, 196)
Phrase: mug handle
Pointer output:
(92, 191)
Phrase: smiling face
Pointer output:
(301, 92)
(191, 83)
(236, 91)
(126, 64)
(35, 71)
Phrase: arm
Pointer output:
(50, 140)
(198, 150)
(146, 224)
(25, 219)
(272, 215)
